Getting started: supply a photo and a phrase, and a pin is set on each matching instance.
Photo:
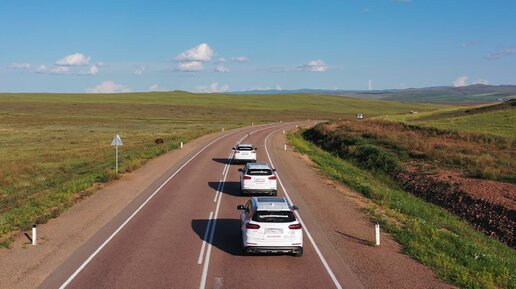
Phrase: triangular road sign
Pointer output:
(117, 141)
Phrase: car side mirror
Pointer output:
(240, 207)
(295, 208)
(255, 149)
(234, 148)
(240, 170)
(273, 170)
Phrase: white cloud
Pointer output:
(93, 70)
(221, 60)
(192, 60)
(74, 60)
(278, 87)
(241, 59)
(139, 71)
(461, 81)
(370, 85)
(41, 69)
(481, 81)
(156, 87)
(213, 88)
(190, 66)
(221, 68)
(19, 66)
(56, 70)
(501, 53)
(108, 87)
(314, 66)
(201, 52)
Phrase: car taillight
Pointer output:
(236, 152)
(247, 177)
(295, 226)
(252, 226)
(272, 177)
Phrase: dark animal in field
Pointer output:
(159, 141)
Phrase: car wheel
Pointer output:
(299, 253)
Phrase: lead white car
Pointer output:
(258, 178)
(269, 225)
(244, 153)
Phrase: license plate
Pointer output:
(273, 231)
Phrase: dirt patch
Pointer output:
(489, 206)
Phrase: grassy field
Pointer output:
(56, 147)
(453, 249)
(501, 122)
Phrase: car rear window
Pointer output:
(244, 148)
(273, 216)
(259, 172)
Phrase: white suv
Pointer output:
(269, 225)
(244, 153)
(258, 178)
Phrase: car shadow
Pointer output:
(230, 188)
(227, 236)
(225, 161)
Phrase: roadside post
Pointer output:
(117, 141)
(285, 147)
(283, 131)
(181, 144)
(377, 234)
(34, 236)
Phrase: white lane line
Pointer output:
(214, 223)
(212, 233)
(201, 254)
(312, 241)
(88, 260)
(218, 190)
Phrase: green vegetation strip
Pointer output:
(454, 250)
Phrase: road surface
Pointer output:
(183, 232)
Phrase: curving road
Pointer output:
(183, 232)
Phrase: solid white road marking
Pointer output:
(88, 260)
(312, 241)
(208, 252)
(201, 254)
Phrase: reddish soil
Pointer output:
(490, 206)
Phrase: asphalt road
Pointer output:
(183, 232)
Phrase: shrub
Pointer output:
(376, 159)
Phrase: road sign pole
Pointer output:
(116, 165)
(117, 141)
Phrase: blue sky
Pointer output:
(215, 46)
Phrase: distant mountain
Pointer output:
(466, 94)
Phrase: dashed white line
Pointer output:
(201, 254)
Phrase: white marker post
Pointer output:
(283, 131)
(285, 147)
(377, 234)
(34, 236)
(117, 141)
(222, 129)
(181, 144)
